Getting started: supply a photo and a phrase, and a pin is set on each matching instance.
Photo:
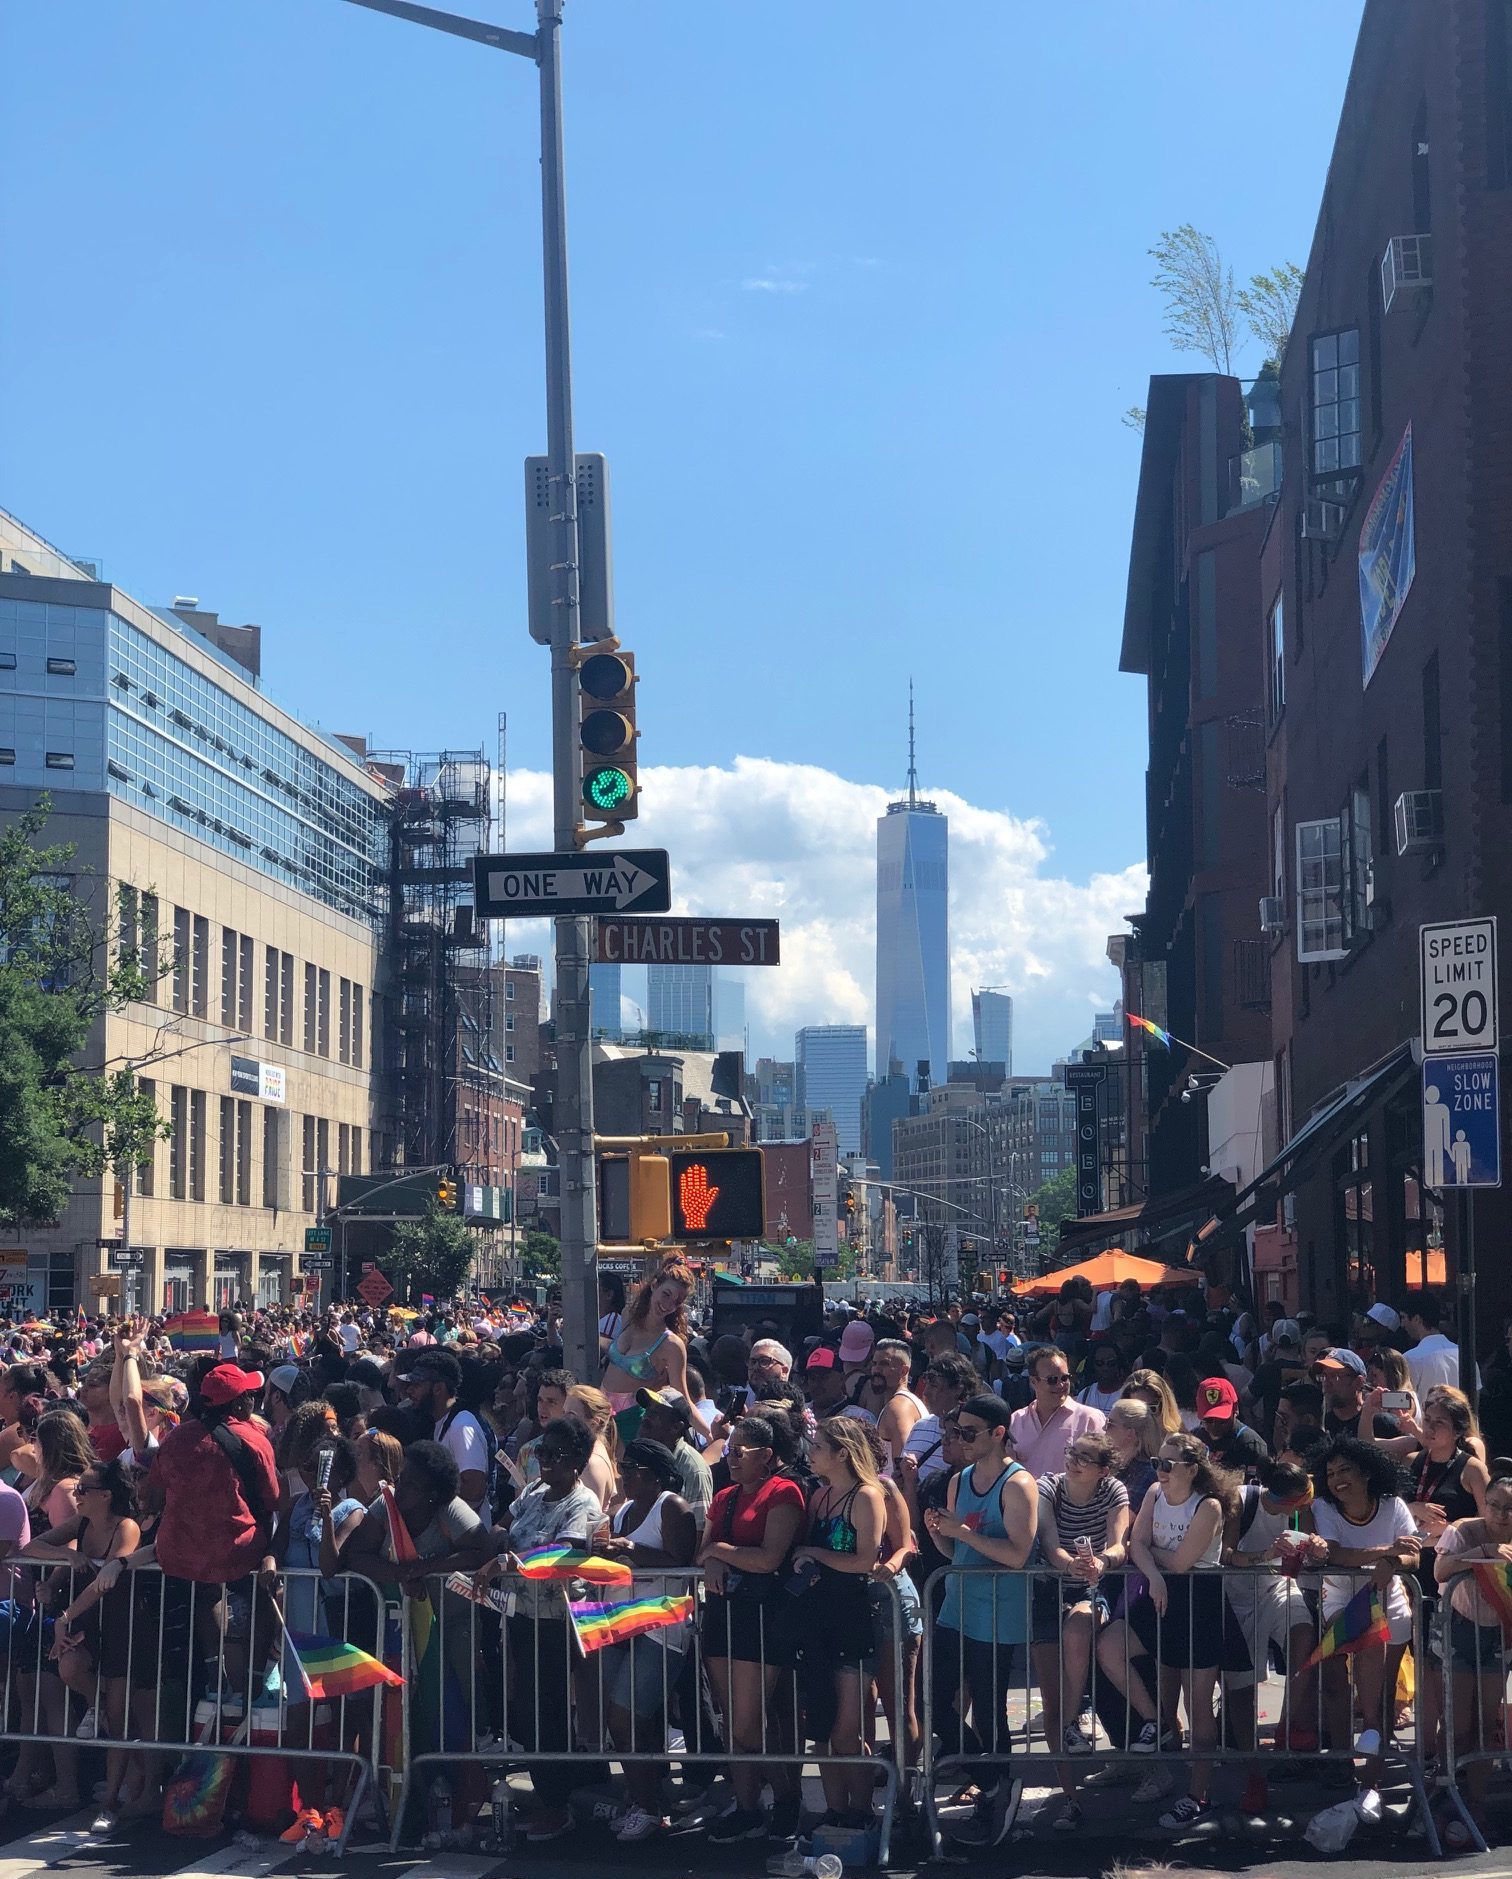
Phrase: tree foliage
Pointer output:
(432, 1254)
(796, 1261)
(1200, 303)
(1056, 1199)
(541, 1254)
(1269, 305)
(60, 971)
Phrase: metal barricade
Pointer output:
(744, 1687)
(1473, 1660)
(1169, 1691)
(168, 1667)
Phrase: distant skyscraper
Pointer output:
(1107, 1026)
(831, 1060)
(992, 1027)
(913, 932)
(729, 1012)
(680, 1001)
(605, 991)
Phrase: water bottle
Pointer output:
(502, 1817)
(439, 1808)
(795, 1865)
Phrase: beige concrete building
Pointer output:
(252, 851)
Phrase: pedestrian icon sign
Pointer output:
(1461, 1121)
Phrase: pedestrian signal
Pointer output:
(717, 1194)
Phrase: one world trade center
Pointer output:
(913, 932)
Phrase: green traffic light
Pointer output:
(606, 788)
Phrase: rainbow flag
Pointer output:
(330, 1667)
(1494, 1578)
(1362, 1622)
(194, 1331)
(1148, 1024)
(570, 1562)
(597, 1624)
(401, 1545)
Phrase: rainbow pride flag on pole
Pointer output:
(194, 1331)
(1362, 1622)
(329, 1667)
(596, 1624)
(1494, 1578)
(1148, 1024)
(570, 1562)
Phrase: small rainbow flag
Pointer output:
(401, 1544)
(571, 1562)
(597, 1624)
(1494, 1577)
(1362, 1622)
(1148, 1024)
(194, 1331)
(330, 1667)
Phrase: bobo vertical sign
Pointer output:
(1084, 1080)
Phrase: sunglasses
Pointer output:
(970, 1434)
(1165, 1464)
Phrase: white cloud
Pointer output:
(797, 843)
(773, 284)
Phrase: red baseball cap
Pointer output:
(821, 1358)
(226, 1382)
(1217, 1398)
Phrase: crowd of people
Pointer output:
(1184, 1499)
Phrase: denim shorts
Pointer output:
(882, 1609)
(641, 1675)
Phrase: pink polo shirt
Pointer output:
(1042, 1447)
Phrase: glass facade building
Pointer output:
(913, 939)
(89, 700)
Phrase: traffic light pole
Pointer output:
(574, 1096)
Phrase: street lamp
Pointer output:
(574, 1097)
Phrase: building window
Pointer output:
(1320, 891)
(62, 668)
(1276, 653)
(199, 984)
(307, 1165)
(344, 1020)
(230, 964)
(128, 937)
(227, 1150)
(181, 948)
(323, 1014)
(1359, 860)
(243, 1019)
(270, 994)
(286, 999)
(146, 1169)
(357, 1026)
(1357, 1215)
(7, 662)
(243, 1154)
(509, 1019)
(509, 990)
(178, 1142)
(7, 754)
(197, 1144)
(1336, 402)
(270, 1158)
(60, 760)
(509, 1053)
(309, 1009)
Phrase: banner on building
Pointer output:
(1388, 556)
(21, 1288)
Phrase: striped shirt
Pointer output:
(1073, 1521)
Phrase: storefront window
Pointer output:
(1356, 1212)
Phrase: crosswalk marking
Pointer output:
(237, 1862)
(450, 1866)
(34, 1850)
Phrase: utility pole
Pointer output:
(574, 1101)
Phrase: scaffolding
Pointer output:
(439, 1019)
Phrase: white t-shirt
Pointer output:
(1432, 1360)
(350, 1337)
(611, 1324)
(998, 1342)
(924, 1441)
(463, 1438)
(1102, 1312)
(1391, 1521)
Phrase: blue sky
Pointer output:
(860, 292)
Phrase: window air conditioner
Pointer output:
(1322, 521)
(1272, 914)
(1407, 263)
(1419, 821)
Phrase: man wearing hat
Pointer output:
(1014, 1386)
(824, 1383)
(1283, 1364)
(1343, 1376)
(431, 1380)
(669, 1420)
(1234, 1444)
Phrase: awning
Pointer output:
(1334, 1122)
(1173, 1216)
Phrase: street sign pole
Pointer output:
(574, 1096)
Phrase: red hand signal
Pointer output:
(695, 1197)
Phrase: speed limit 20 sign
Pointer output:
(1458, 963)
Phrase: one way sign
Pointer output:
(521, 887)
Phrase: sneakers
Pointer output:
(89, 1728)
(1147, 1741)
(1368, 1742)
(1070, 1819)
(1155, 1787)
(743, 1823)
(1186, 1813)
(308, 1824)
(785, 1818)
(1075, 1742)
(637, 1824)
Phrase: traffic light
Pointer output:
(607, 737)
(717, 1194)
(446, 1193)
(650, 1203)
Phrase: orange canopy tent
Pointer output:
(1110, 1268)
